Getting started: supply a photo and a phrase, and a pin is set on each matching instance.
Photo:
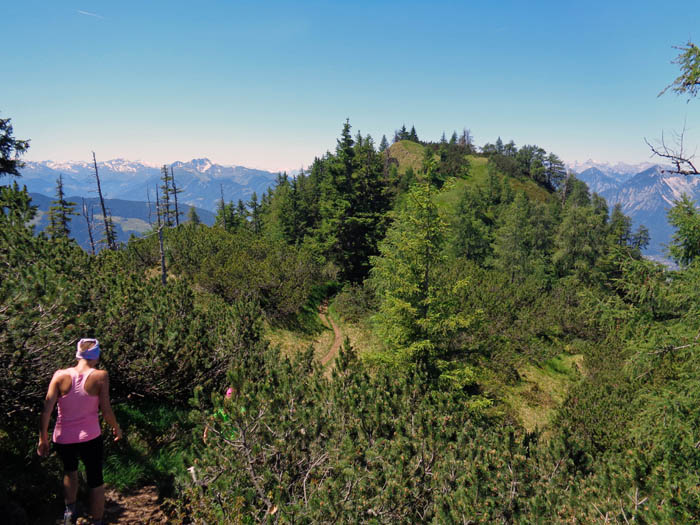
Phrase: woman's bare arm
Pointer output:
(49, 405)
(106, 406)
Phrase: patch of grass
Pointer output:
(292, 342)
(542, 390)
(156, 437)
(360, 333)
(561, 365)
(129, 224)
(306, 329)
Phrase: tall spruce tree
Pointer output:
(60, 213)
(418, 317)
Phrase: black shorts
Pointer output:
(90, 452)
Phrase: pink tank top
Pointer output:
(77, 419)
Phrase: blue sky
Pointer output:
(269, 84)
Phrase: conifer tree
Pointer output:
(192, 216)
(165, 191)
(11, 149)
(60, 213)
(221, 214)
(514, 239)
(242, 211)
(620, 227)
(404, 274)
(255, 214)
(413, 135)
(418, 317)
(472, 235)
(685, 243)
(580, 238)
(383, 144)
(499, 146)
(555, 171)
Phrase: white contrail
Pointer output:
(87, 13)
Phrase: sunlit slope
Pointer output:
(410, 154)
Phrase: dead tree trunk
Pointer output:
(223, 208)
(148, 199)
(175, 192)
(163, 273)
(109, 227)
(88, 220)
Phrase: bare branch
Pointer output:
(680, 160)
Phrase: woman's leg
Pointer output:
(91, 454)
(97, 502)
(70, 487)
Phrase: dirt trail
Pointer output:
(136, 507)
(337, 340)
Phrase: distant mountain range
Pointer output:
(645, 191)
(200, 180)
(645, 196)
(618, 171)
(129, 217)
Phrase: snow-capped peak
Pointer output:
(201, 165)
(609, 168)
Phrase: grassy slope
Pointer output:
(407, 154)
(410, 154)
(542, 390)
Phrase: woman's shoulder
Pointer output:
(57, 375)
(96, 382)
(99, 376)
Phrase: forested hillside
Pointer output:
(510, 356)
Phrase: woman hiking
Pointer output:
(79, 391)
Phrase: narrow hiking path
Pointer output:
(338, 335)
(140, 506)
